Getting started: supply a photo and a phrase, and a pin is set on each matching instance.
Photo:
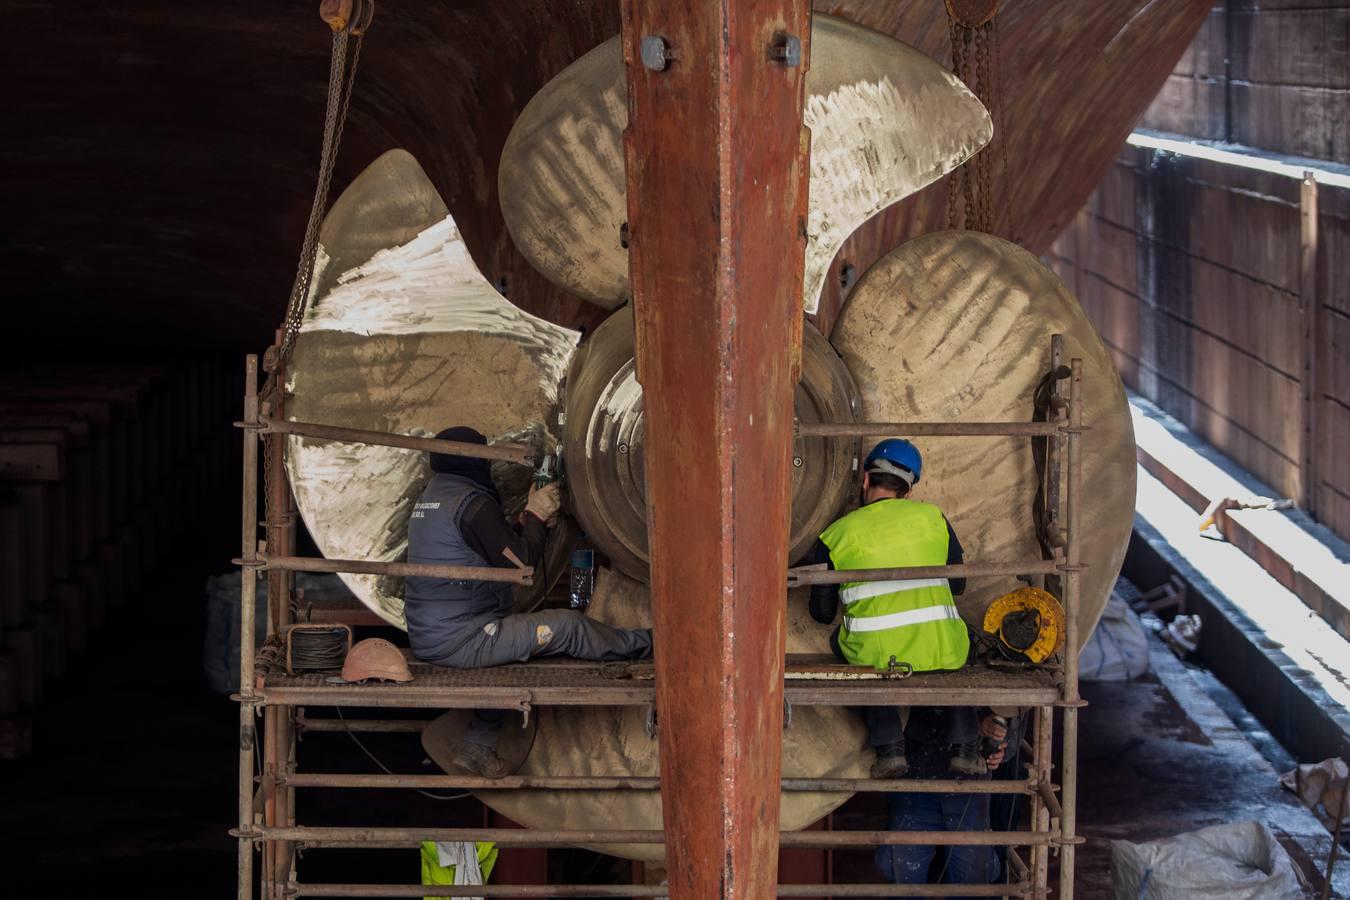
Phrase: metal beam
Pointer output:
(1310, 306)
(717, 177)
(643, 890)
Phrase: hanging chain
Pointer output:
(954, 186)
(347, 39)
(983, 171)
(968, 173)
(1004, 204)
(975, 61)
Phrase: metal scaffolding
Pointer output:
(267, 819)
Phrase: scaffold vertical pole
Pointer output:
(1040, 813)
(248, 588)
(278, 735)
(1072, 589)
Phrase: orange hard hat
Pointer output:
(375, 658)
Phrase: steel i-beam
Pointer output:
(717, 176)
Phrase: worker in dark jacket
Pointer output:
(927, 739)
(458, 521)
(909, 621)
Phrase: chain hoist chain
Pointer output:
(347, 40)
(983, 169)
(954, 186)
(975, 61)
(967, 171)
(341, 79)
(1004, 206)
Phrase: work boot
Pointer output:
(890, 762)
(966, 759)
(479, 760)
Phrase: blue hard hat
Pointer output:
(898, 457)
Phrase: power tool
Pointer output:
(549, 469)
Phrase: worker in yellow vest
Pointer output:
(910, 621)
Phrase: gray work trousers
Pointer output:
(549, 632)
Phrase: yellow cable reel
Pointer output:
(1027, 624)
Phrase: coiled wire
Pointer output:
(318, 648)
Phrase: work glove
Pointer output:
(544, 502)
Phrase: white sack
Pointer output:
(1118, 648)
(1242, 861)
(1321, 788)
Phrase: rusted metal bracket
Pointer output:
(657, 53)
(896, 669)
(973, 13)
(650, 724)
(354, 15)
(787, 50)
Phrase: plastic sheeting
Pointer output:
(1321, 788)
(1242, 861)
(1118, 647)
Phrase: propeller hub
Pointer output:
(604, 437)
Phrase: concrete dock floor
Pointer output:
(1159, 757)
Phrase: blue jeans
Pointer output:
(938, 812)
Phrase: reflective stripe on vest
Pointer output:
(861, 590)
(901, 619)
(914, 620)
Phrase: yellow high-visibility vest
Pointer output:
(914, 620)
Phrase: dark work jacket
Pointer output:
(928, 746)
(442, 613)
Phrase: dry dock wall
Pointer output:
(1271, 74)
(1193, 271)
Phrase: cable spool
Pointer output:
(1027, 625)
(316, 647)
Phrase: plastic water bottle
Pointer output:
(583, 578)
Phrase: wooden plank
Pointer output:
(1116, 197)
(26, 385)
(1335, 379)
(99, 412)
(1112, 253)
(1116, 313)
(1300, 121)
(9, 682)
(16, 737)
(1333, 232)
(1189, 105)
(1250, 315)
(1245, 447)
(36, 500)
(13, 562)
(1293, 47)
(26, 643)
(1241, 220)
(1335, 470)
(70, 602)
(31, 461)
(1237, 385)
